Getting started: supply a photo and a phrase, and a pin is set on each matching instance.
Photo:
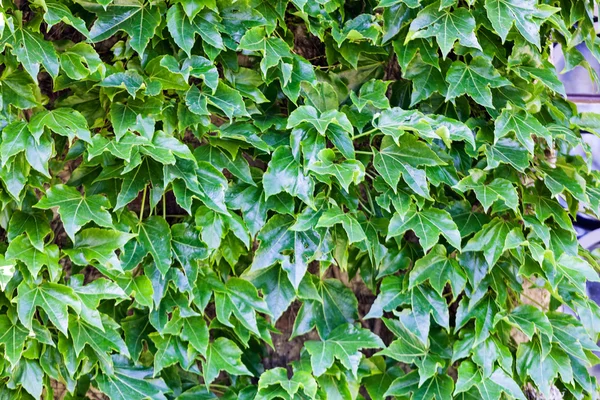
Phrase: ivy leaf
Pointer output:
(30, 375)
(507, 151)
(75, 209)
(320, 121)
(241, 299)
(95, 244)
(13, 338)
(129, 80)
(284, 175)
(428, 224)
(278, 376)
(35, 225)
(425, 302)
(187, 248)
(102, 342)
(223, 355)
(32, 51)
(489, 388)
(494, 238)
(373, 93)
(18, 89)
(155, 237)
(64, 121)
(426, 80)
(446, 25)
(395, 121)
(14, 140)
(439, 386)
(276, 239)
(228, 100)
(139, 20)
(128, 383)
(53, 298)
(488, 193)
(335, 215)
(523, 125)
(57, 12)
(393, 161)
(343, 344)
(80, 61)
(38, 153)
(474, 79)
(526, 16)
(439, 270)
(337, 306)
(346, 172)
(169, 350)
(407, 347)
(92, 294)
(23, 250)
(7, 270)
(528, 319)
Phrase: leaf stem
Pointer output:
(363, 152)
(370, 131)
(143, 204)
(370, 199)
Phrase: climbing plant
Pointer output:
(294, 199)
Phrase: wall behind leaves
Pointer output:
(187, 184)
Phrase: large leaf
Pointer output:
(75, 209)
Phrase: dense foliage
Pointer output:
(187, 184)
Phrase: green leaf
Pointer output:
(57, 12)
(154, 236)
(439, 270)
(507, 151)
(371, 93)
(343, 344)
(393, 161)
(128, 383)
(75, 209)
(285, 175)
(523, 125)
(23, 250)
(223, 355)
(170, 350)
(446, 25)
(529, 320)
(53, 298)
(494, 238)
(474, 79)
(14, 140)
(101, 341)
(438, 387)
(64, 121)
(276, 239)
(489, 193)
(13, 338)
(138, 19)
(95, 244)
(35, 225)
(428, 224)
(228, 100)
(334, 216)
(527, 16)
(80, 61)
(320, 121)
(346, 172)
(32, 51)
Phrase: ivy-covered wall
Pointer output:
(187, 184)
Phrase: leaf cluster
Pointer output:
(186, 184)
